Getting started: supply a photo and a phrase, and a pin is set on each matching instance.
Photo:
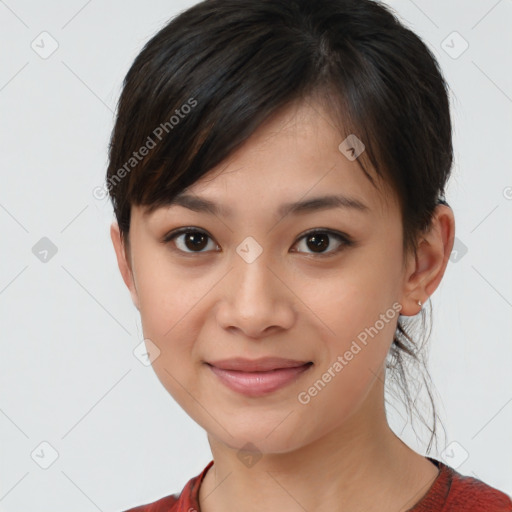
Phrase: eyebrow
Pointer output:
(202, 205)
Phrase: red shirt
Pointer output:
(450, 492)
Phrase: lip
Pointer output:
(258, 377)
(262, 364)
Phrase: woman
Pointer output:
(277, 171)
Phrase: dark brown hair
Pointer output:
(205, 82)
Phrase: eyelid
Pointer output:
(169, 237)
(343, 238)
(180, 231)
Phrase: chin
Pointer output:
(269, 436)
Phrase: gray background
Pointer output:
(68, 328)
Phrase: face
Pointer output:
(251, 281)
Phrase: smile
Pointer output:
(248, 377)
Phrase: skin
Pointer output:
(337, 452)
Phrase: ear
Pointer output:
(425, 270)
(123, 262)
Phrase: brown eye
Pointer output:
(319, 241)
(188, 240)
(195, 241)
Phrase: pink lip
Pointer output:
(257, 377)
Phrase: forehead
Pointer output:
(292, 157)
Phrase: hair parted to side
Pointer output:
(209, 78)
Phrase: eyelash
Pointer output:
(345, 240)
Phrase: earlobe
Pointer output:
(123, 262)
(427, 267)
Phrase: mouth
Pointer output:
(259, 376)
(263, 364)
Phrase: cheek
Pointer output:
(174, 306)
(356, 311)
(349, 371)
(166, 293)
(168, 302)
(356, 301)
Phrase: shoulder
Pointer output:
(167, 504)
(186, 500)
(473, 495)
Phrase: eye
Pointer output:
(195, 241)
(319, 240)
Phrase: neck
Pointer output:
(361, 465)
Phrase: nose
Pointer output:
(256, 300)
